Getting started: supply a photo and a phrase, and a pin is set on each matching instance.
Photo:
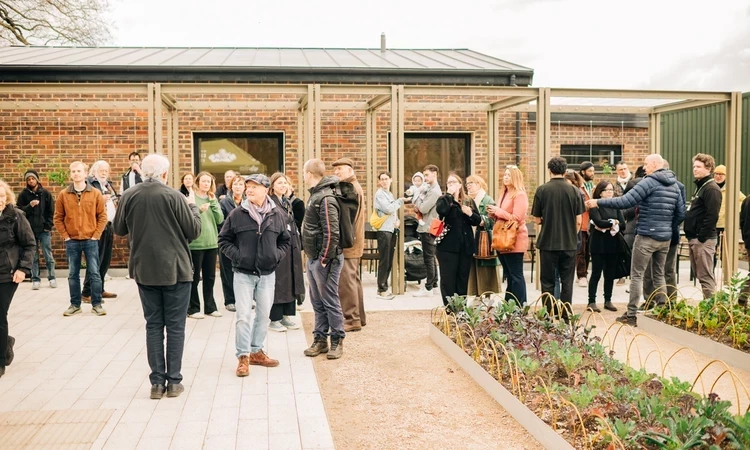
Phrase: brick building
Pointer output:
(264, 110)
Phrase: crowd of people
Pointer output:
(258, 230)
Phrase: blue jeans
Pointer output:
(44, 242)
(73, 250)
(249, 338)
(513, 270)
(324, 297)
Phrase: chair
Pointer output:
(531, 227)
(370, 253)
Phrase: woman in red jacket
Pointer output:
(512, 206)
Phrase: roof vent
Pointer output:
(382, 42)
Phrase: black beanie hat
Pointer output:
(585, 165)
(31, 173)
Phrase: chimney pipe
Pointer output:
(382, 42)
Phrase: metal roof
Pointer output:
(362, 61)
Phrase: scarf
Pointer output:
(258, 213)
(479, 197)
(624, 181)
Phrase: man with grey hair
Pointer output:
(99, 179)
(660, 210)
(159, 222)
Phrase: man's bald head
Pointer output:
(653, 163)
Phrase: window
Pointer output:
(451, 152)
(597, 154)
(246, 153)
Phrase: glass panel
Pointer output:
(246, 154)
(450, 153)
(597, 154)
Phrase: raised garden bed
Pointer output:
(560, 375)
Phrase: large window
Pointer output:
(451, 152)
(246, 153)
(597, 154)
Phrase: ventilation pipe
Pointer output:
(382, 42)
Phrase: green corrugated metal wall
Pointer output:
(702, 130)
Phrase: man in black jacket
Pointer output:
(39, 207)
(159, 222)
(320, 240)
(255, 238)
(700, 222)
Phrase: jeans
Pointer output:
(7, 290)
(105, 257)
(165, 307)
(324, 297)
(702, 263)
(602, 263)
(670, 275)
(564, 262)
(454, 274)
(428, 253)
(227, 278)
(513, 270)
(44, 242)
(249, 338)
(204, 262)
(73, 250)
(386, 248)
(644, 249)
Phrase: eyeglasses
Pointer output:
(608, 190)
(470, 183)
(452, 182)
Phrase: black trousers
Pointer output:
(513, 270)
(105, 257)
(7, 290)
(386, 247)
(227, 278)
(204, 263)
(165, 307)
(602, 264)
(454, 273)
(279, 310)
(429, 248)
(565, 263)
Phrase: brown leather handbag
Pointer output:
(504, 235)
(484, 247)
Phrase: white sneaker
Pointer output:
(385, 296)
(215, 314)
(277, 326)
(583, 282)
(289, 323)
(423, 293)
(36, 285)
(198, 315)
(53, 283)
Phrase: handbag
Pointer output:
(484, 247)
(504, 235)
(436, 227)
(377, 221)
(624, 255)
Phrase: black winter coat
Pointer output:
(298, 211)
(41, 216)
(17, 244)
(701, 218)
(290, 282)
(604, 242)
(745, 221)
(460, 237)
(252, 249)
(320, 229)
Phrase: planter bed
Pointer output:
(542, 432)
(700, 344)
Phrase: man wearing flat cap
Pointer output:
(255, 238)
(350, 285)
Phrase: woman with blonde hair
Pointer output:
(17, 246)
(455, 250)
(483, 276)
(205, 249)
(513, 205)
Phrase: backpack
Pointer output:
(348, 202)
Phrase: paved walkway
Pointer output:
(82, 381)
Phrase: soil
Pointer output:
(394, 389)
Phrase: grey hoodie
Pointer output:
(425, 202)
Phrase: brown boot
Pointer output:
(261, 359)
(243, 369)
(337, 348)
(86, 299)
(319, 345)
(106, 294)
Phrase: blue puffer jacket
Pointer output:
(660, 205)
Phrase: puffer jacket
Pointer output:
(660, 208)
(40, 216)
(701, 218)
(17, 243)
(320, 229)
(255, 249)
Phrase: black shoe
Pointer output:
(157, 391)
(10, 355)
(628, 320)
(175, 389)
(593, 308)
(609, 306)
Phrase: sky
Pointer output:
(634, 44)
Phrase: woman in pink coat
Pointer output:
(512, 206)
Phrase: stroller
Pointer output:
(413, 259)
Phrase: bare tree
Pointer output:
(48, 22)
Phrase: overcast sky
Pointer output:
(653, 44)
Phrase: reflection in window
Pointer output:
(597, 154)
(451, 152)
(246, 153)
